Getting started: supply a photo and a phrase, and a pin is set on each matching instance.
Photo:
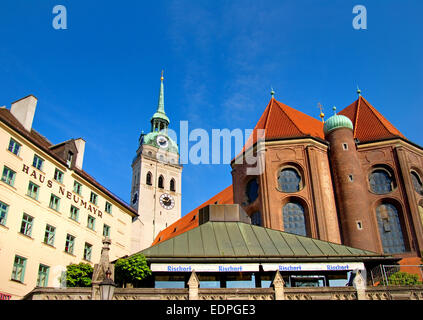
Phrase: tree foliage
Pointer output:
(403, 279)
(79, 275)
(132, 269)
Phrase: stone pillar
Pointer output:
(360, 285)
(100, 269)
(278, 285)
(193, 284)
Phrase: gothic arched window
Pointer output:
(172, 185)
(381, 181)
(148, 178)
(390, 228)
(294, 219)
(289, 180)
(161, 182)
(417, 182)
(252, 190)
(256, 218)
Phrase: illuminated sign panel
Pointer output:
(186, 267)
(250, 267)
(344, 266)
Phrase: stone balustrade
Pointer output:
(306, 293)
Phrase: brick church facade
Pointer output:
(353, 179)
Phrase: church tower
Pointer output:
(357, 226)
(156, 180)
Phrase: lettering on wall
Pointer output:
(77, 200)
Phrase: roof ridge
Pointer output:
(268, 114)
(356, 116)
(293, 122)
(377, 114)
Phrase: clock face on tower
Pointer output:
(167, 201)
(162, 141)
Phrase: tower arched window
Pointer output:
(417, 182)
(289, 180)
(161, 182)
(252, 190)
(172, 185)
(256, 218)
(294, 218)
(381, 181)
(390, 229)
(148, 178)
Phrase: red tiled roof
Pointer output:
(281, 121)
(369, 124)
(190, 220)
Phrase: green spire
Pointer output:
(160, 115)
(160, 107)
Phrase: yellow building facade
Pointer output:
(52, 213)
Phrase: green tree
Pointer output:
(131, 270)
(79, 275)
(403, 279)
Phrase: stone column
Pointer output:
(100, 269)
(193, 284)
(278, 285)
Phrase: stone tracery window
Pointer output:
(390, 229)
(289, 180)
(294, 218)
(417, 182)
(381, 181)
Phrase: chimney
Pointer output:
(223, 213)
(24, 110)
(80, 146)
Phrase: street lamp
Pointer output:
(107, 287)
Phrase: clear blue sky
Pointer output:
(99, 79)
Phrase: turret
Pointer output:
(350, 184)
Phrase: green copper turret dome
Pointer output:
(337, 121)
(153, 139)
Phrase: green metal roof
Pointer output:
(337, 121)
(238, 241)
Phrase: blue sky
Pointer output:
(99, 79)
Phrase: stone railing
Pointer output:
(59, 294)
(150, 294)
(309, 293)
(236, 294)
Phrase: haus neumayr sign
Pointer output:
(62, 190)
